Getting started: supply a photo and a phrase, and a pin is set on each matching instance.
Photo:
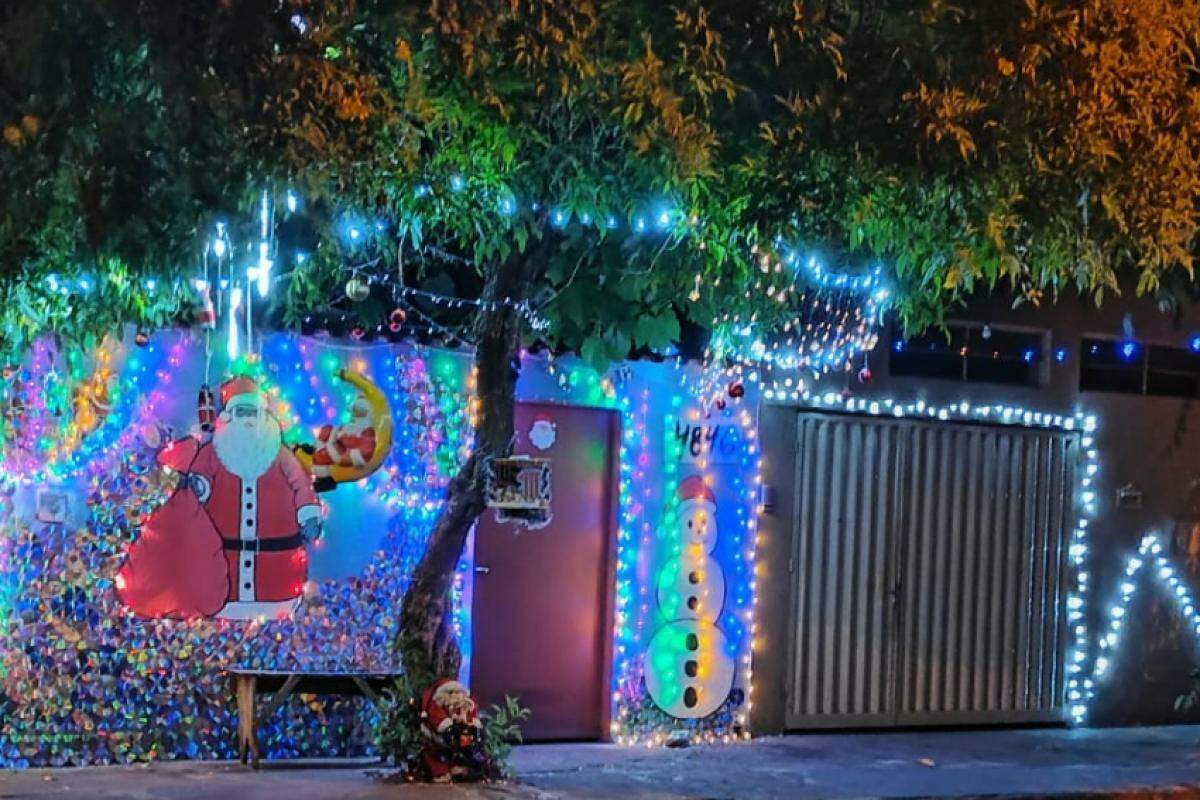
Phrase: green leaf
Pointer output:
(656, 331)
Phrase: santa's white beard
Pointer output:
(247, 451)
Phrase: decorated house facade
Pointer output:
(973, 547)
(149, 546)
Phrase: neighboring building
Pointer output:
(918, 570)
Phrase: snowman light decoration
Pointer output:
(689, 671)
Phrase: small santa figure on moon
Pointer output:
(349, 445)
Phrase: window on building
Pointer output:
(1132, 367)
(969, 351)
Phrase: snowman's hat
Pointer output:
(693, 487)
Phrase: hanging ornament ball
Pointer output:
(864, 375)
(357, 289)
(737, 390)
(357, 332)
(141, 338)
(396, 319)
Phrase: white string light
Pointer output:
(235, 300)
(1149, 557)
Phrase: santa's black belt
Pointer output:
(264, 545)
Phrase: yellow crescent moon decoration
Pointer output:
(381, 421)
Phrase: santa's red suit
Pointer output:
(258, 521)
(350, 445)
(254, 521)
(443, 704)
(344, 446)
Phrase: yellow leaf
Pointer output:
(403, 51)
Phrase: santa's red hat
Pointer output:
(693, 487)
(240, 387)
(543, 418)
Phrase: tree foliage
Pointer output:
(1029, 145)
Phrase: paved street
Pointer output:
(1132, 762)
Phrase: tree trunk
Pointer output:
(426, 641)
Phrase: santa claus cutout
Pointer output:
(243, 498)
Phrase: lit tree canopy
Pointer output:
(1036, 145)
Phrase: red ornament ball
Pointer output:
(737, 390)
(864, 375)
(357, 332)
(396, 320)
(141, 338)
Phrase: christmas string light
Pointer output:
(1149, 559)
(135, 396)
(535, 321)
(827, 319)
(655, 542)
(55, 582)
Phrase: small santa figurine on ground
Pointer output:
(242, 498)
(451, 725)
(349, 445)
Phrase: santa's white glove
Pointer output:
(311, 530)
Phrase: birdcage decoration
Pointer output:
(518, 488)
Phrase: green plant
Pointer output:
(501, 730)
(399, 733)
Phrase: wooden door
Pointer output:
(542, 608)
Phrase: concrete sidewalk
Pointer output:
(1131, 762)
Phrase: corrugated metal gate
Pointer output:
(928, 563)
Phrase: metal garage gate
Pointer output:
(929, 572)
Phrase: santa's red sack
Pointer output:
(176, 567)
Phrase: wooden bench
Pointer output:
(281, 684)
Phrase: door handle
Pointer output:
(481, 570)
